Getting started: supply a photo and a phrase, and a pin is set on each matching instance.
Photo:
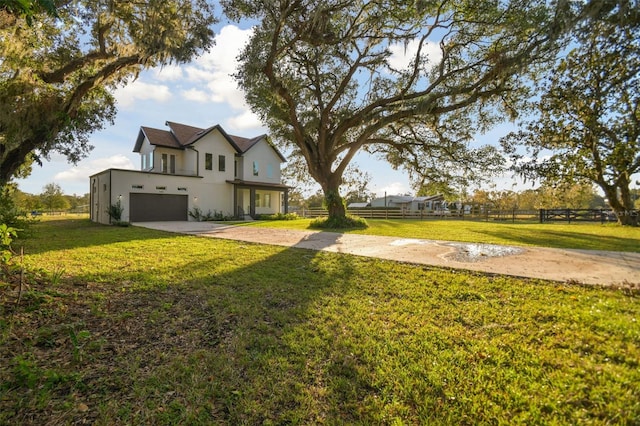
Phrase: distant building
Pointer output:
(408, 202)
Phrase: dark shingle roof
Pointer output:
(180, 136)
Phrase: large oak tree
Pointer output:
(322, 75)
(57, 75)
(587, 125)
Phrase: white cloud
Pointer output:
(393, 188)
(139, 90)
(82, 172)
(245, 121)
(402, 54)
(195, 95)
(215, 67)
(168, 73)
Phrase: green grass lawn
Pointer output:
(589, 236)
(134, 326)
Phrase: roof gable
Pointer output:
(179, 136)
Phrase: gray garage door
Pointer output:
(157, 207)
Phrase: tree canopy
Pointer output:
(27, 9)
(587, 124)
(326, 77)
(57, 77)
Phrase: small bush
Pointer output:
(11, 215)
(347, 222)
(279, 216)
(197, 214)
(115, 211)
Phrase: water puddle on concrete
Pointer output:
(472, 252)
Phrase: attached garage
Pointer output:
(158, 207)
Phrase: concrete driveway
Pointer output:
(575, 266)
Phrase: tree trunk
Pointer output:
(333, 200)
(622, 208)
(335, 205)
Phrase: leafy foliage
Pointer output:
(115, 211)
(279, 216)
(28, 8)
(53, 198)
(57, 78)
(10, 214)
(329, 80)
(587, 126)
(339, 222)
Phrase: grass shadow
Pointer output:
(187, 330)
(67, 234)
(145, 332)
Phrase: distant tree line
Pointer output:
(52, 198)
(577, 196)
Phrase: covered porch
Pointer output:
(256, 198)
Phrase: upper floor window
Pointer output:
(222, 164)
(164, 164)
(172, 164)
(256, 169)
(270, 170)
(208, 161)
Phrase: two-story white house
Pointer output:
(186, 168)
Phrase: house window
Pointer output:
(164, 164)
(256, 169)
(208, 161)
(263, 200)
(235, 168)
(143, 158)
(172, 164)
(137, 186)
(161, 188)
(222, 164)
(182, 188)
(270, 170)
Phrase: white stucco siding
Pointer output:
(100, 193)
(238, 167)
(266, 160)
(215, 145)
(113, 185)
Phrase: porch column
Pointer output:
(235, 200)
(252, 202)
(286, 201)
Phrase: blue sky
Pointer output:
(201, 93)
